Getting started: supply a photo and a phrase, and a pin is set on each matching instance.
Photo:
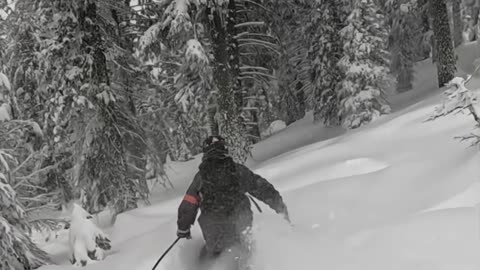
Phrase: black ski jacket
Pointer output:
(250, 182)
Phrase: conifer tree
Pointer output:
(365, 64)
(16, 249)
(405, 32)
(326, 49)
(292, 68)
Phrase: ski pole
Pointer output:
(165, 253)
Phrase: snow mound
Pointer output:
(87, 242)
(275, 127)
(352, 167)
(468, 198)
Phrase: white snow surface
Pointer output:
(400, 193)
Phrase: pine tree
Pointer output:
(365, 63)
(88, 113)
(405, 32)
(325, 52)
(176, 50)
(16, 249)
(291, 66)
(443, 42)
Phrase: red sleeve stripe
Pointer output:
(191, 199)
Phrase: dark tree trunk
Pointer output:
(224, 75)
(404, 81)
(214, 129)
(475, 12)
(457, 23)
(443, 41)
(290, 103)
(425, 26)
(221, 21)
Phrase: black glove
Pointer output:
(184, 234)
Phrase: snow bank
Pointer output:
(87, 242)
(275, 127)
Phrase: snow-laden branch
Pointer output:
(249, 34)
(4, 81)
(246, 24)
(246, 67)
(458, 98)
(257, 44)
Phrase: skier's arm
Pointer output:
(261, 189)
(187, 211)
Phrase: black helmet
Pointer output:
(214, 146)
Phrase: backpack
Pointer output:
(220, 189)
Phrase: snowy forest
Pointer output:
(99, 100)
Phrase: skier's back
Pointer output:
(219, 191)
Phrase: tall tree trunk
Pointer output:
(212, 122)
(300, 94)
(222, 21)
(293, 100)
(443, 41)
(457, 23)
(475, 12)
(426, 48)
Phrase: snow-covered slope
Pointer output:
(400, 193)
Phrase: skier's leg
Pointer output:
(245, 240)
(216, 234)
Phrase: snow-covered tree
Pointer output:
(445, 58)
(74, 62)
(87, 241)
(219, 90)
(175, 49)
(405, 32)
(291, 66)
(470, 11)
(16, 249)
(326, 49)
(365, 64)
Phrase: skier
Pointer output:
(219, 191)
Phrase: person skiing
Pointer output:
(219, 190)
